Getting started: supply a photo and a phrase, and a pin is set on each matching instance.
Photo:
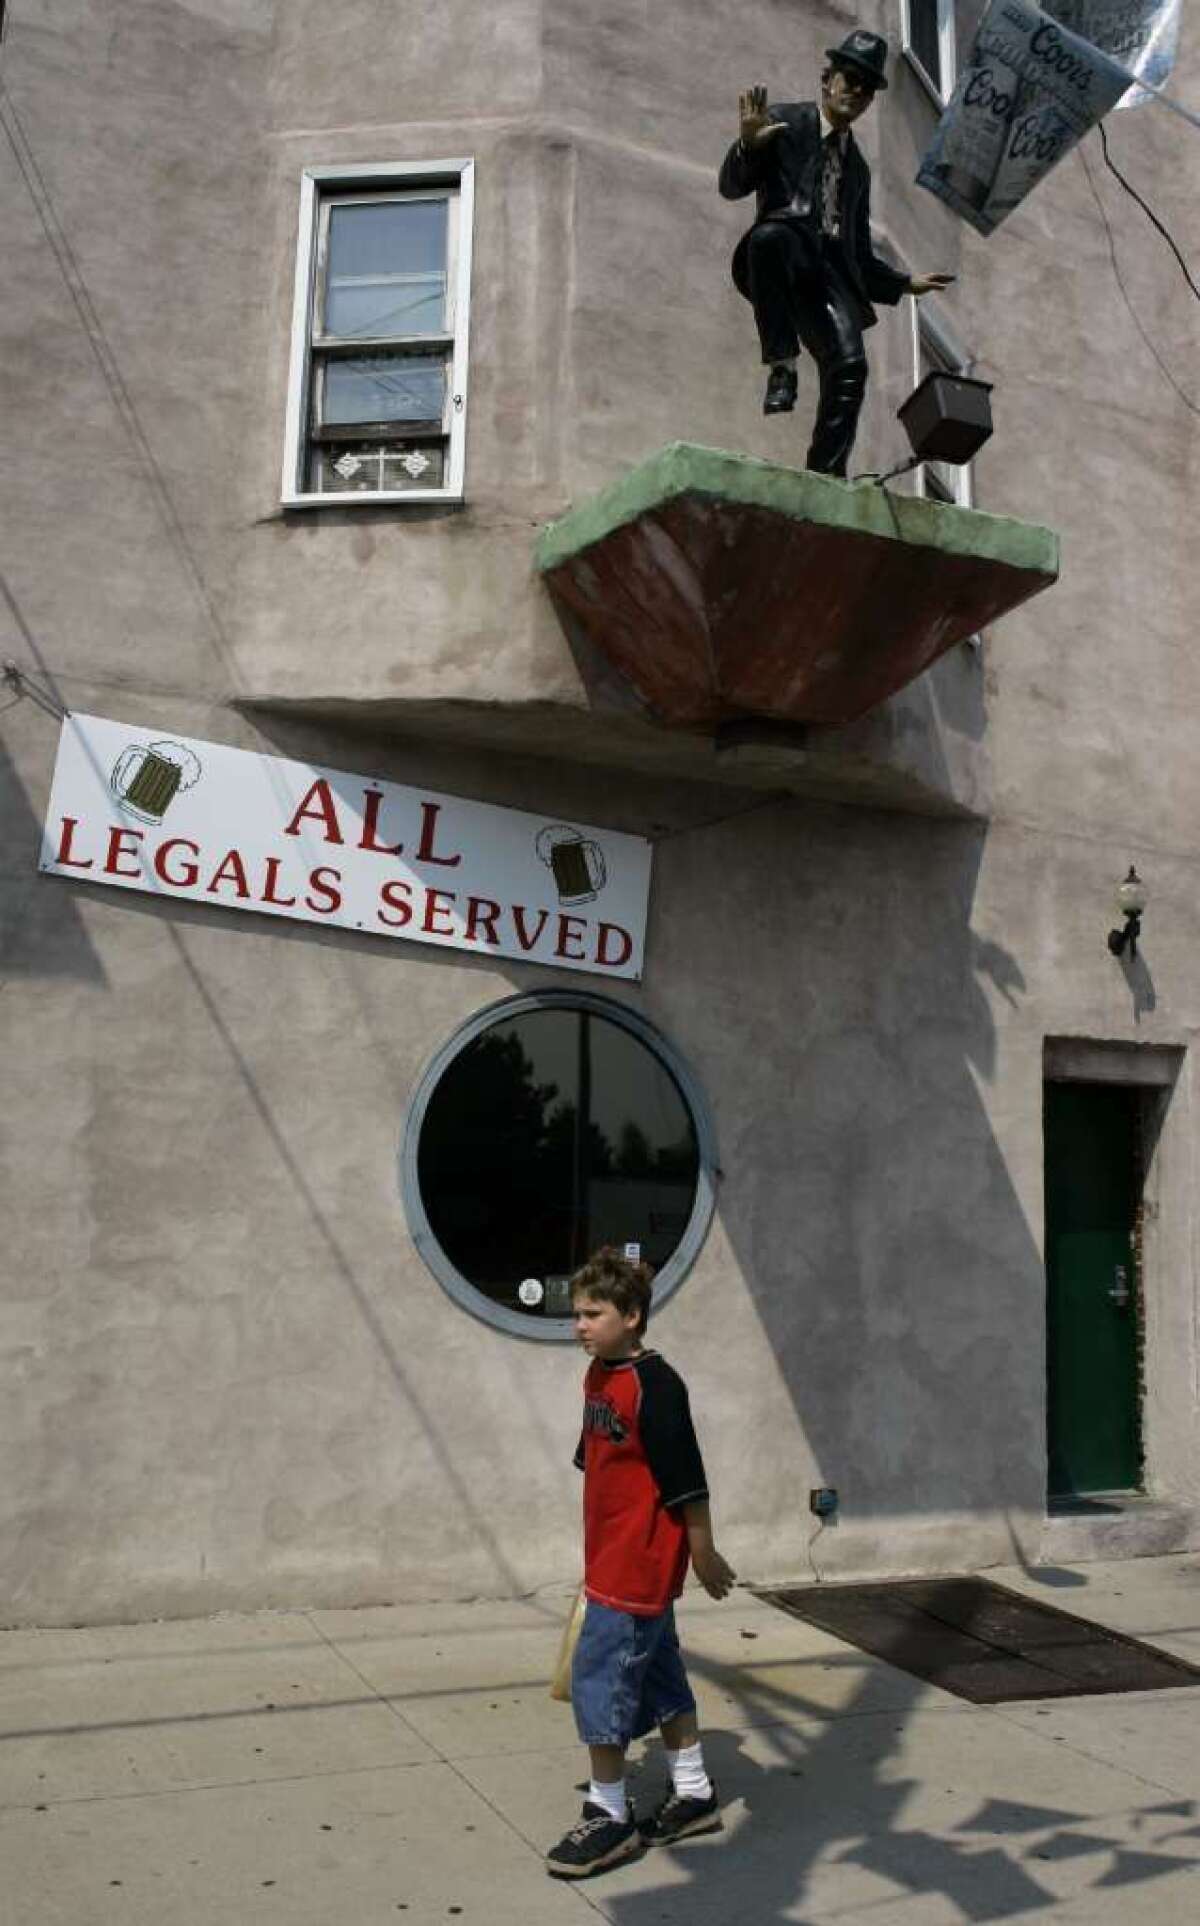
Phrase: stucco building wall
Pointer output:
(232, 1380)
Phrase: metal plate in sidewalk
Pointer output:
(983, 1642)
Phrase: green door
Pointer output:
(1091, 1198)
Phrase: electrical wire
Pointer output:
(1111, 164)
(22, 684)
(1120, 279)
(375, 325)
(12, 129)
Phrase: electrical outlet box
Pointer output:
(823, 1501)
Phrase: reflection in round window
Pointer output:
(554, 1130)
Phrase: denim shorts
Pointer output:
(627, 1675)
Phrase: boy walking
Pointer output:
(645, 1509)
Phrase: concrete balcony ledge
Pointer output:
(724, 588)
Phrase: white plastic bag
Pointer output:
(560, 1684)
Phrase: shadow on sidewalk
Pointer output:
(809, 1796)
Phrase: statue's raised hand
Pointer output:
(755, 126)
(919, 284)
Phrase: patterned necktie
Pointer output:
(832, 155)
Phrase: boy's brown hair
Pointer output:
(613, 1278)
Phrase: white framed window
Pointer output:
(377, 383)
(548, 1125)
(935, 348)
(928, 40)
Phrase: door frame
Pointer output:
(1163, 1280)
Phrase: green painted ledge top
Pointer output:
(683, 468)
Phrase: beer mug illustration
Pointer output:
(576, 864)
(146, 779)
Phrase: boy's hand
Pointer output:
(710, 1568)
(714, 1574)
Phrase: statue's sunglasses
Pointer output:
(855, 82)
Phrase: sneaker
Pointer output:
(678, 1818)
(594, 1843)
(782, 385)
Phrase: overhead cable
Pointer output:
(1138, 323)
(1111, 164)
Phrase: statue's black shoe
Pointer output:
(678, 1818)
(780, 397)
(593, 1844)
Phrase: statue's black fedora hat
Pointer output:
(865, 52)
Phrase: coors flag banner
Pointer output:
(1140, 35)
(140, 809)
(1031, 88)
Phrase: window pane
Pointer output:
(420, 466)
(923, 36)
(348, 468)
(941, 482)
(939, 479)
(386, 269)
(548, 1135)
(382, 387)
(652, 1173)
(932, 361)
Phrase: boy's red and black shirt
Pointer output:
(641, 1463)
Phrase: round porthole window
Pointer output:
(549, 1125)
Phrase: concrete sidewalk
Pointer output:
(316, 1768)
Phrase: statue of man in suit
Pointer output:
(807, 264)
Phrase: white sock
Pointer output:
(688, 1776)
(611, 1797)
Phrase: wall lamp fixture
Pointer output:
(1131, 901)
(947, 417)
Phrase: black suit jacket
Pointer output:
(786, 176)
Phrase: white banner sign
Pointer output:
(140, 809)
(1029, 91)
